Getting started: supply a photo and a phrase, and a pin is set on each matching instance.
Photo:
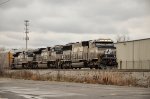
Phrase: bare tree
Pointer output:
(122, 38)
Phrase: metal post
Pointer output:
(9, 58)
(149, 64)
(26, 31)
(121, 64)
(26, 38)
(133, 55)
(126, 64)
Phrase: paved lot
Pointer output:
(27, 89)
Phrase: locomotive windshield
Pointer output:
(57, 48)
(67, 47)
(104, 44)
(30, 54)
(16, 54)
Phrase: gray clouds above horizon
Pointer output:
(61, 21)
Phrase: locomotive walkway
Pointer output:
(27, 89)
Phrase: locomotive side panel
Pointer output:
(66, 55)
(44, 56)
(77, 52)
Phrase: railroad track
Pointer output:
(87, 69)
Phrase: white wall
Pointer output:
(133, 54)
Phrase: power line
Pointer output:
(4, 2)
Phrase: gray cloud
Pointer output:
(73, 17)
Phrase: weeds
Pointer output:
(98, 77)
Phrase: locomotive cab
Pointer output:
(66, 56)
(23, 59)
(54, 56)
(98, 49)
(15, 60)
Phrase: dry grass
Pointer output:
(1, 73)
(100, 77)
(107, 78)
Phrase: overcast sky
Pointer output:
(63, 21)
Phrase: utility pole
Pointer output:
(26, 32)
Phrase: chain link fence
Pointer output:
(144, 64)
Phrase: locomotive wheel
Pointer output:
(104, 67)
(13, 66)
(62, 66)
(96, 67)
(58, 65)
(91, 64)
(70, 66)
(66, 66)
(29, 65)
(48, 65)
(100, 67)
(114, 67)
(35, 65)
(23, 66)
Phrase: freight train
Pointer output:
(98, 54)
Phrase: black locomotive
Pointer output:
(98, 54)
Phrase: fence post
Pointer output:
(149, 64)
(121, 64)
(0, 63)
(141, 64)
(133, 64)
(9, 58)
(126, 64)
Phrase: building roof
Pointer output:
(133, 40)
